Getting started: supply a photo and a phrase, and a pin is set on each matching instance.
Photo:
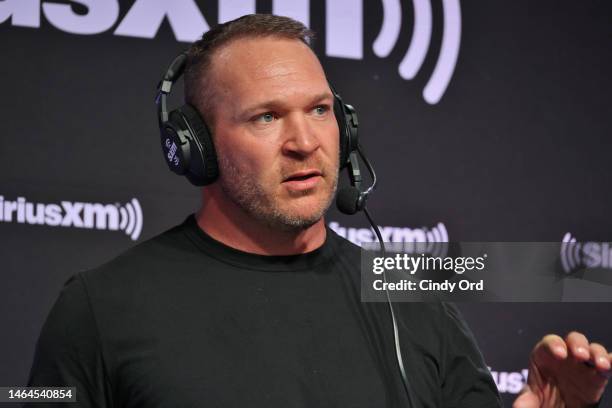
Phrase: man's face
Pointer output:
(274, 130)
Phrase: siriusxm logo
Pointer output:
(126, 218)
(432, 241)
(578, 255)
(511, 382)
(344, 26)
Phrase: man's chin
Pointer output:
(296, 217)
(295, 224)
(288, 212)
(295, 221)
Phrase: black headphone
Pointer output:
(186, 139)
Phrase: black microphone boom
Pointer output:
(350, 200)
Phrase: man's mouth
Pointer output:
(303, 175)
(303, 181)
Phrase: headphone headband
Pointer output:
(173, 73)
(187, 143)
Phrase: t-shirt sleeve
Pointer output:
(68, 351)
(467, 381)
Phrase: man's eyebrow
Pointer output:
(274, 103)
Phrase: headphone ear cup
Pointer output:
(203, 168)
(342, 127)
(347, 125)
(352, 126)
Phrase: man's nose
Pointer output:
(300, 136)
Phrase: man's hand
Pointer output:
(570, 373)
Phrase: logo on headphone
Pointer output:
(578, 255)
(112, 217)
(171, 155)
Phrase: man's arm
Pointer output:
(69, 351)
(467, 381)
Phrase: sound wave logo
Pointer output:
(419, 44)
(437, 241)
(344, 38)
(578, 255)
(131, 219)
(433, 241)
(112, 217)
(571, 257)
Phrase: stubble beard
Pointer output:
(249, 195)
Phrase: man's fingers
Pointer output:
(599, 357)
(567, 369)
(578, 346)
(552, 345)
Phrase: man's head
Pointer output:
(199, 89)
(267, 102)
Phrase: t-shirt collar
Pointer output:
(247, 260)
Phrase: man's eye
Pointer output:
(266, 117)
(321, 110)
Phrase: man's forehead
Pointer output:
(268, 60)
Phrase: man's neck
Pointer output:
(232, 226)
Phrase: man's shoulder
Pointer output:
(155, 255)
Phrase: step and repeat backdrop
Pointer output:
(485, 120)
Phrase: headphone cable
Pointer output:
(396, 339)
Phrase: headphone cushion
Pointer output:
(343, 129)
(208, 170)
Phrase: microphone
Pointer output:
(349, 200)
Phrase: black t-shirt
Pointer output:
(184, 321)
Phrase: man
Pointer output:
(253, 301)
